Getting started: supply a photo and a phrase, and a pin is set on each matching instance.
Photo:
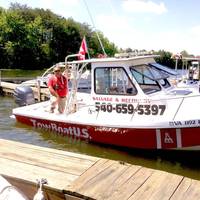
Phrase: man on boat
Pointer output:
(58, 87)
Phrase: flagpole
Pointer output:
(87, 47)
(95, 27)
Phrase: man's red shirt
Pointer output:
(59, 84)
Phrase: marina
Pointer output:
(183, 166)
(109, 122)
(89, 176)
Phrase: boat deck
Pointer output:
(73, 176)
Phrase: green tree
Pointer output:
(165, 58)
(37, 38)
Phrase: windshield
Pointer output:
(149, 78)
(165, 70)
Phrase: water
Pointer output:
(182, 163)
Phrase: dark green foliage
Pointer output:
(38, 38)
(165, 58)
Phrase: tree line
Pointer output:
(37, 38)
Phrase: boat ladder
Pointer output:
(75, 71)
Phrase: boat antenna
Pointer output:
(94, 27)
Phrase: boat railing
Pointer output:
(75, 70)
(49, 70)
(60, 64)
(71, 56)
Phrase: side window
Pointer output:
(113, 80)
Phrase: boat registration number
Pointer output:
(140, 109)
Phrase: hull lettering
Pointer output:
(71, 130)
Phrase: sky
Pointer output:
(168, 25)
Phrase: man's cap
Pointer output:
(56, 68)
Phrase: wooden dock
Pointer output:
(8, 89)
(17, 80)
(74, 176)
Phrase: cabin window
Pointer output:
(147, 78)
(113, 80)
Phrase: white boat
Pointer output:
(41, 81)
(189, 75)
(131, 104)
(10, 192)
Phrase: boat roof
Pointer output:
(191, 58)
(111, 59)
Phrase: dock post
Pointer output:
(38, 89)
(1, 89)
(0, 78)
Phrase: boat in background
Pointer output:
(189, 75)
(131, 104)
(41, 81)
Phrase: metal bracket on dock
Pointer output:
(40, 194)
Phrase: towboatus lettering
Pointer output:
(140, 109)
(71, 130)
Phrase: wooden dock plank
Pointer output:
(7, 85)
(73, 176)
(132, 184)
(68, 164)
(114, 190)
(112, 183)
(32, 162)
(105, 181)
(102, 181)
(45, 150)
(30, 172)
(89, 175)
(160, 185)
(187, 190)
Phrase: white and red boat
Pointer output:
(131, 104)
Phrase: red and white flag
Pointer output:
(83, 50)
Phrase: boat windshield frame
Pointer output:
(149, 79)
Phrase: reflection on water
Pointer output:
(185, 163)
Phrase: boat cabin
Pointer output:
(119, 79)
(125, 76)
(128, 77)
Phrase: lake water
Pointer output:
(183, 163)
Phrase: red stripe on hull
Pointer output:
(125, 137)
(190, 137)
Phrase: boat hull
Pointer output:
(144, 138)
